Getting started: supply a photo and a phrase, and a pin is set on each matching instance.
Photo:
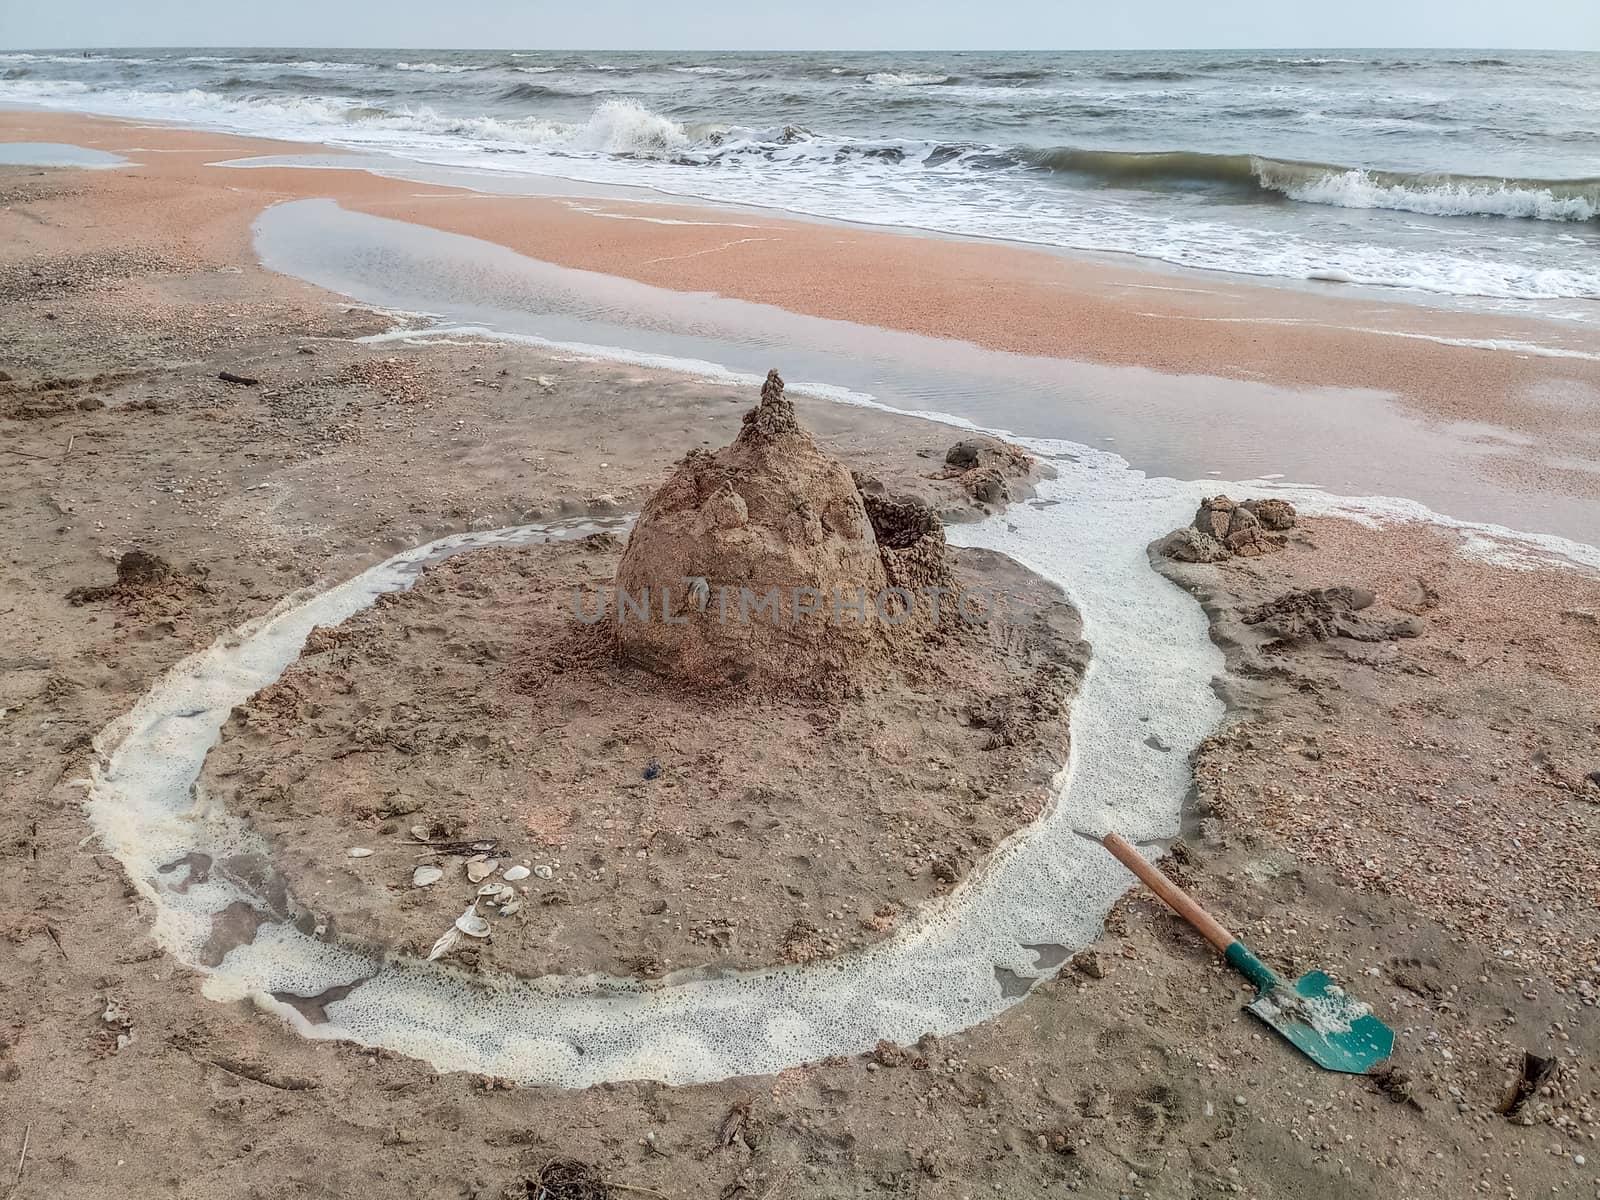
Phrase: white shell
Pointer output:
(515, 873)
(471, 924)
(420, 832)
(359, 852)
(479, 871)
(509, 907)
(543, 872)
(423, 876)
(493, 888)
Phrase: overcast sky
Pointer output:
(812, 24)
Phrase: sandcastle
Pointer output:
(763, 564)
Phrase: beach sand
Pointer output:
(1327, 825)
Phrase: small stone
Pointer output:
(1087, 962)
(1240, 1101)
(359, 852)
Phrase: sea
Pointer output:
(1446, 173)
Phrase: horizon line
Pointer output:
(777, 50)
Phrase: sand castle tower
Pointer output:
(759, 564)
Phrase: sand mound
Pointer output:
(641, 826)
(143, 579)
(763, 565)
(988, 469)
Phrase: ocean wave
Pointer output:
(1429, 193)
(433, 68)
(314, 66)
(1166, 75)
(908, 78)
(541, 91)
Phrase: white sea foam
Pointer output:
(1359, 189)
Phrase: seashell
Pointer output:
(493, 888)
(420, 832)
(359, 852)
(424, 876)
(479, 871)
(515, 873)
(509, 907)
(471, 924)
(543, 871)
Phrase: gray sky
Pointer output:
(814, 24)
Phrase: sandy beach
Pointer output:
(1405, 791)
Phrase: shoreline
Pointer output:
(1268, 329)
(1361, 397)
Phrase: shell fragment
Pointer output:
(515, 873)
(426, 876)
(471, 924)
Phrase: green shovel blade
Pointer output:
(1335, 1031)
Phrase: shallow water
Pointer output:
(1354, 442)
(56, 154)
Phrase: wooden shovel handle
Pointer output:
(1171, 894)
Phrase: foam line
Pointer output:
(1151, 672)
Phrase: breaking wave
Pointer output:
(1431, 193)
(908, 78)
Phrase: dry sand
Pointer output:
(1132, 1074)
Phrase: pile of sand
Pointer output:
(763, 565)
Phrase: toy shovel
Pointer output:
(1315, 1015)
